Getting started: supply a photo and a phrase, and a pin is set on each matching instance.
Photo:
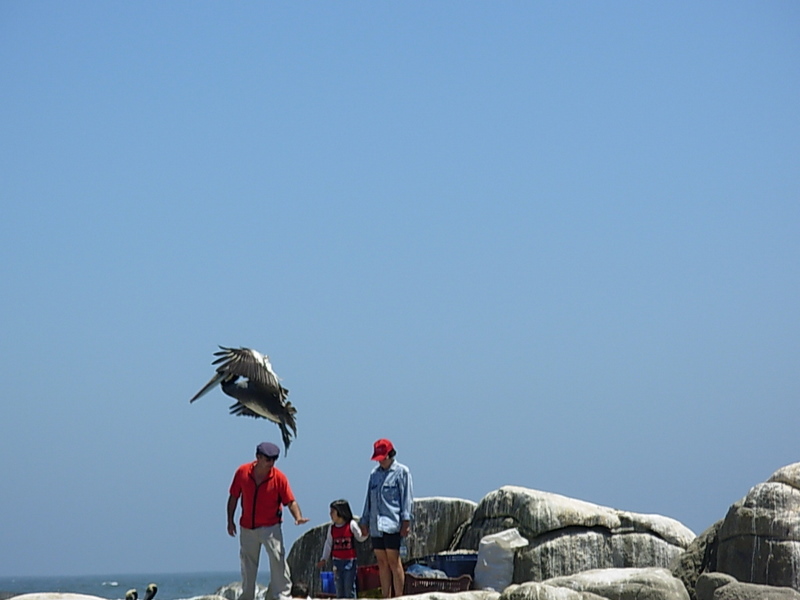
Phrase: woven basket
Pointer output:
(422, 585)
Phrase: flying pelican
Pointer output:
(247, 376)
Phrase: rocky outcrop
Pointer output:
(758, 541)
(437, 525)
(55, 596)
(625, 584)
(568, 536)
(754, 552)
(233, 590)
(718, 586)
(470, 595)
(699, 557)
(535, 590)
(603, 584)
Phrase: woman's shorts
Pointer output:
(389, 541)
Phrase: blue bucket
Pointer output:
(328, 585)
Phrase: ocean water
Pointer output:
(171, 586)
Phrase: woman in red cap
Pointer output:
(387, 514)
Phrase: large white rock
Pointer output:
(437, 523)
(56, 596)
(469, 595)
(626, 584)
(233, 590)
(535, 590)
(759, 540)
(718, 586)
(569, 536)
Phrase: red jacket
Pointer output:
(262, 505)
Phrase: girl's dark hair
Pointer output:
(343, 508)
(392, 453)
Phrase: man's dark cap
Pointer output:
(268, 449)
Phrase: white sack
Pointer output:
(495, 567)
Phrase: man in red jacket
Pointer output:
(264, 491)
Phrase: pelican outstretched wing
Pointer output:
(247, 376)
(286, 415)
(245, 362)
(240, 410)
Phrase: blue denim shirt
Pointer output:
(390, 499)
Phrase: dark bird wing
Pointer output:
(240, 410)
(243, 362)
(255, 401)
(258, 408)
(247, 376)
(247, 363)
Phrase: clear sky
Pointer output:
(547, 244)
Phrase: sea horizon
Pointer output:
(113, 586)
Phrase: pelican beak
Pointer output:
(212, 382)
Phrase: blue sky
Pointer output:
(547, 244)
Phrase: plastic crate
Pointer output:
(454, 564)
(368, 578)
(422, 585)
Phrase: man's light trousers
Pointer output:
(250, 542)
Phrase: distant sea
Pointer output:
(171, 586)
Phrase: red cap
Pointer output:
(382, 448)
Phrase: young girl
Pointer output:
(340, 542)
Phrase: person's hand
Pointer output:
(231, 529)
(365, 530)
(300, 521)
(321, 564)
(404, 527)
